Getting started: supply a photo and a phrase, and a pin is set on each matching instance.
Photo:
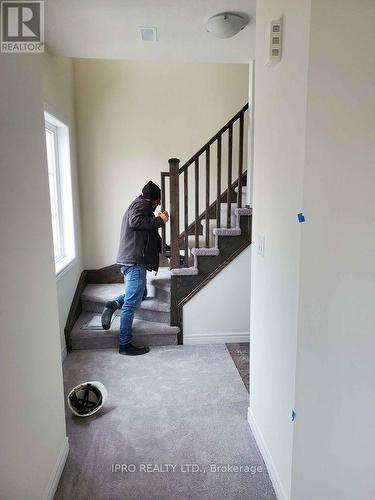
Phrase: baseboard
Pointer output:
(217, 338)
(272, 471)
(57, 471)
(63, 354)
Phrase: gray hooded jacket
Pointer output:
(140, 242)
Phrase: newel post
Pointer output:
(174, 165)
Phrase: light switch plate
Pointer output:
(261, 244)
(274, 41)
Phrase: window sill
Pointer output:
(64, 265)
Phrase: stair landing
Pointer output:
(144, 333)
(152, 319)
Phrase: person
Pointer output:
(139, 248)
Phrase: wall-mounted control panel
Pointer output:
(275, 41)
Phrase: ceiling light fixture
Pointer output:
(226, 25)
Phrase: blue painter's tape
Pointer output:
(301, 217)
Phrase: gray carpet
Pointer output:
(176, 405)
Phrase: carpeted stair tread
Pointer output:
(159, 285)
(184, 271)
(101, 293)
(223, 231)
(161, 281)
(153, 304)
(212, 251)
(149, 332)
(243, 211)
(152, 327)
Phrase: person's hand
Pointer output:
(164, 215)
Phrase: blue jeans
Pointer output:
(135, 286)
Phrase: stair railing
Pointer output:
(211, 211)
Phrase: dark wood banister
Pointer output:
(212, 209)
(210, 142)
(213, 139)
(174, 174)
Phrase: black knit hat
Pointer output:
(151, 191)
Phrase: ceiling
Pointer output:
(108, 29)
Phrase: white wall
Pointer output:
(280, 114)
(132, 117)
(220, 311)
(312, 314)
(335, 393)
(33, 441)
(250, 138)
(58, 92)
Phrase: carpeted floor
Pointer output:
(172, 418)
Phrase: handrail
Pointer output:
(228, 196)
(210, 142)
(213, 139)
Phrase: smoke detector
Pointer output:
(148, 33)
(226, 25)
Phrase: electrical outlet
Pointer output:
(261, 244)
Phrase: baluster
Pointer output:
(186, 217)
(163, 231)
(230, 159)
(218, 190)
(240, 161)
(197, 203)
(175, 211)
(207, 197)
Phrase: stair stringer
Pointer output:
(184, 287)
(108, 274)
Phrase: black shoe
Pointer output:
(132, 350)
(110, 308)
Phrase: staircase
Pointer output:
(208, 243)
(152, 320)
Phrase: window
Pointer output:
(60, 191)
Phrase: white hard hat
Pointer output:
(87, 398)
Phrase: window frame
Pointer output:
(63, 182)
(59, 207)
